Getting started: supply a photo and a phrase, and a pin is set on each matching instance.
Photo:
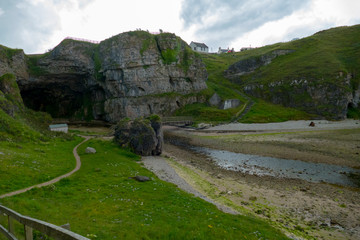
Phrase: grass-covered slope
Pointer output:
(29, 153)
(17, 123)
(318, 75)
(101, 202)
(312, 77)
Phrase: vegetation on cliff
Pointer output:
(316, 75)
(17, 123)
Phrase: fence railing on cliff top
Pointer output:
(83, 40)
(29, 223)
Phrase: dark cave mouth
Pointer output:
(59, 104)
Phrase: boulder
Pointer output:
(90, 150)
(143, 135)
(215, 100)
(141, 178)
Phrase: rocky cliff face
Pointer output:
(328, 96)
(249, 65)
(129, 75)
(10, 99)
(325, 99)
(138, 68)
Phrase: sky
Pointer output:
(39, 25)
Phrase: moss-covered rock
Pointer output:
(143, 135)
(10, 98)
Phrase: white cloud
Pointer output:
(103, 19)
(37, 25)
(320, 15)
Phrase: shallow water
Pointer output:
(282, 168)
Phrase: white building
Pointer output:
(59, 128)
(199, 47)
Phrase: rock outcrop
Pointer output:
(10, 99)
(249, 65)
(327, 97)
(143, 135)
(129, 75)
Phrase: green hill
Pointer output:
(317, 75)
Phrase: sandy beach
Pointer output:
(302, 209)
(289, 125)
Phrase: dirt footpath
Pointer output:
(309, 210)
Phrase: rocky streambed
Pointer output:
(315, 199)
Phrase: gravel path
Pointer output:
(289, 125)
(55, 180)
(165, 172)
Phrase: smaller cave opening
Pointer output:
(353, 111)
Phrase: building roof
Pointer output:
(58, 126)
(202, 45)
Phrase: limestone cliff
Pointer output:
(129, 75)
(317, 74)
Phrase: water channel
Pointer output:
(282, 168)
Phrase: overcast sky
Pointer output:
(38, 25)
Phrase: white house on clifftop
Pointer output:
(199, 47)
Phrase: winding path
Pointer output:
(55, 180)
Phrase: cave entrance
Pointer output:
(58, 103)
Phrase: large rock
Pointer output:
(129, 75)
(143, 135)
(249, 65)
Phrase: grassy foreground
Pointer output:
(101, 202)
(24, 164)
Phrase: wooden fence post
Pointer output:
(28, 233)
(11, 224)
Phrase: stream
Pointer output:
(281, 168)
(276, 167)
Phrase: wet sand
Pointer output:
(309, 210)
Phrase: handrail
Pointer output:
(29, 223)
(182, 120)
(176, 119)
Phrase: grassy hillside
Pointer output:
(27, 148)
(324, 60)
(216, 64)
(17, 123)
(116, 207)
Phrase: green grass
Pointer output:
(8, 53)
(264, 112)
(101, 202)
(353, 113)
(320, 59)
(33, 64)
(27, 163)
(201, 112)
